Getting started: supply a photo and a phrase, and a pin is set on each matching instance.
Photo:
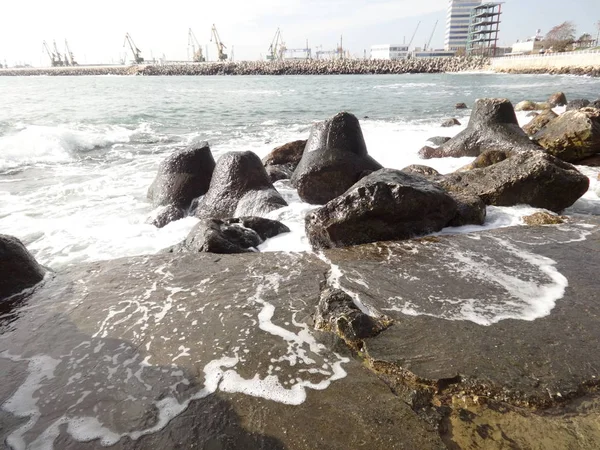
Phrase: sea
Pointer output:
(77, 154)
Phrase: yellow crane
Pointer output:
(197, 55)
(220, 46)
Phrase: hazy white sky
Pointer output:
(96, 30)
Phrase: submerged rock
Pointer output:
(539, 122)
(532, 177)
(577, 104)
(493, 126)
(471, 210)
(236, 235)
(386, 205)
(460, 106)
(18, 268)
(543, 218)
(438, 140)
(335, 157)
(166, 215)
(557, 99)
(572, 136)
(240, 187)
(183, 176)
(282, 161)
(450, 123)
(526, 105)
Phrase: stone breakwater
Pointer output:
(590, 71)
(304, 67)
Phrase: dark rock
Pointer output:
(486, 159)
(595, 104)
(493, 126)
(543, 218)
(337, 313)
(183, 176)
(450, 123)
(424, 171)
(236, 235)
(539, 122)
(577, 104)
(526, 105)
(18, 268)
(428, 152)
(240, 187)
(385, 205)
(461, 106)
(335, 157)
(282, 161)
(438, 140)
(471, 210)
(572, 136)
(557, 99)
(591, 161)
(166, 215)
(532, 177)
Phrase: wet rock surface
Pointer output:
(450, 123)
(532, 178)
(557, 99)
(165, 215)
(573, 136)
(577, 104)
(335, 157)
(544, 218)
(18, 268)
(388, 204)
(183, 176)
(236, 235)
(539, 122)
(282, 161)
(239, 187)
(438, 140)
(493, 126)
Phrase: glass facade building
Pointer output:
(457, 23)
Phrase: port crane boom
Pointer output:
(197, 55)
(413, 36)
(431, 37)
(137, 53)
(277, 47)
(59, 61)
(220, 46)
(51, 55)
(69, 58)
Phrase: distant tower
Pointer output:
(457, 23)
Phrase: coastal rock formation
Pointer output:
(451, 123)
(18, 268)
(572, 136)
(282, 161)
(526, 105)
(165, 215)
(577, 104)
(493, 126)
(543, 218)
(591, 161)
(539, 122)
(557, 99)
(236, 235)
(335, 157)
(239, 187)
(461, 106)
(438, 140)
(471, 210)
(530, 177)
(183, 176)
(385, 205)
(424, 171)
(486, 159)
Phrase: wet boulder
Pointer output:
(573, 136)
(183, 176)
(240, 186)
(557, 99)
(165, 215)
(532, 114)
(235, 235)
(486, 159)
(424, 171)
(526, 105)
(18, 268)
(450, 123)
(471, 210)
(532, 177)
(577, 104)
(591, 161)
(438, 140)
(493, 126)
(385, 205)
(282, 161)
(460, 106)
(539, 122)
(335, 157)
(543, 218)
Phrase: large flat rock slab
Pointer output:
(512, 314)
(195, 351)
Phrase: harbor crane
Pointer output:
(197, 55)
(277, 47)
(59, 59)
(413, 36)
(137, 53)
(51, 55)
(431, 37)
(220, 46)
(69, 58)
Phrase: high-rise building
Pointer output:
(457, 23)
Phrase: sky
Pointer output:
(95, 30)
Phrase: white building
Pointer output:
(457, 23)
(389, 51)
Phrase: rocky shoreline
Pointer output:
(590, 71)
(386, 336)
(303, 67)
